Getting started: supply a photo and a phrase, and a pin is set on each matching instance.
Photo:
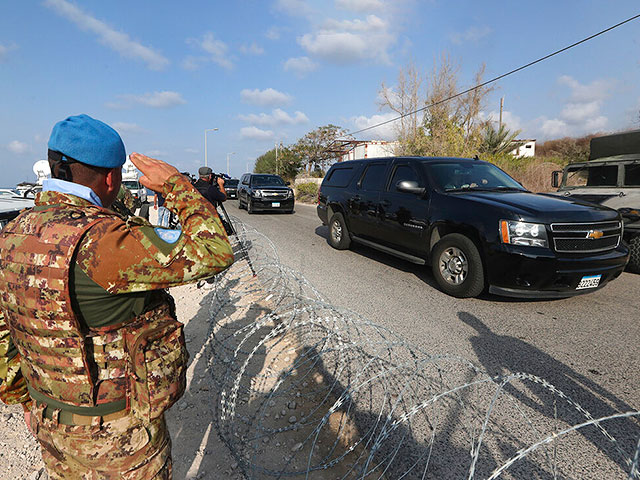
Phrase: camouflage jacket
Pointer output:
(133, 256)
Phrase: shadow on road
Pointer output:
(503, 354)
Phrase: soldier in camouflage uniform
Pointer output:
(95, 352)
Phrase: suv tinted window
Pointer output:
(374, 177)
(403, 172)
(632, 175)
(267, 181)
(339, 177)
(245, 179)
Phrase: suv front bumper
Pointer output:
(526, 272)
(260, 205)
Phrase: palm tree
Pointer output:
(500, 140)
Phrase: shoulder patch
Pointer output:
(166, 235)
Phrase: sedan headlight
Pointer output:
(523, 233)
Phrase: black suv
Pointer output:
(474, 224)
(261, 191)
(231, 187)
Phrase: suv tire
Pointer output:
(634, 255)
(338, 233)
(250, 209)
(457, 266)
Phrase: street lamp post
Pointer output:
(232, 153)
(205, 143)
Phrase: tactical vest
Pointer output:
(61, 361)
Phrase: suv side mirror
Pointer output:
(555, 178)
(287, 183)
(410, 186)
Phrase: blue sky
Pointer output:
(267, 71)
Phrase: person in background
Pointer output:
(83, 296)
(213, 192)
(163, 213)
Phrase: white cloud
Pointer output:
(295, 8)
(277, 117)
(252, 49)
(263, 98)
(192, 150)
(471, 35)
(124, 127)
(554, 128)
(156, 153)
(581, 113)
(360, 6)
(5, 49)
(350, 41)
(18, 147)
(256, 133)
(512, 122)
(216, 52)
(164, 99)
(118, 41)
(300, 66)
(595, 91)
(384, 132)
(273, 33)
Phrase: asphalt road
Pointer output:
(587, 345)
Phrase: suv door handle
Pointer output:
(385, 203)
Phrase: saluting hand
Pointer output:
(154, 172)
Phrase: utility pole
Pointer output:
(232, 153)
(501, 107)
(276, 159)
(205, 143)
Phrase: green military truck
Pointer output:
(611, 178)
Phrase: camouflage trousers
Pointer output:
(119, 449)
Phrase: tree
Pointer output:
(288, 165)
(405, 99)
(451, 124)
(316, 149)
(498, 141)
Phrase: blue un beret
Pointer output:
(89, 141)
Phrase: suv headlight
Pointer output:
(289, 193)
(523, 233)
(257, 193)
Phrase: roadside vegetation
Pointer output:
(435, 121)
(307, 192)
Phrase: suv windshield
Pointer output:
(231, 183)
(457, 176)
(266, 181)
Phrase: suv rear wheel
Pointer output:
(457, 266)
(338, 233)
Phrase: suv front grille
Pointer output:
(586, 237)
(274, 194)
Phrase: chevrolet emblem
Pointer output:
(595, 234)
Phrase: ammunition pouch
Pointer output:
(157, 361)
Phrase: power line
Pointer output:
(495, 79)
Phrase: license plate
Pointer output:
(589, 281)
(275, 204)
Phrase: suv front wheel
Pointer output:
(457, 266)
(338, 233)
